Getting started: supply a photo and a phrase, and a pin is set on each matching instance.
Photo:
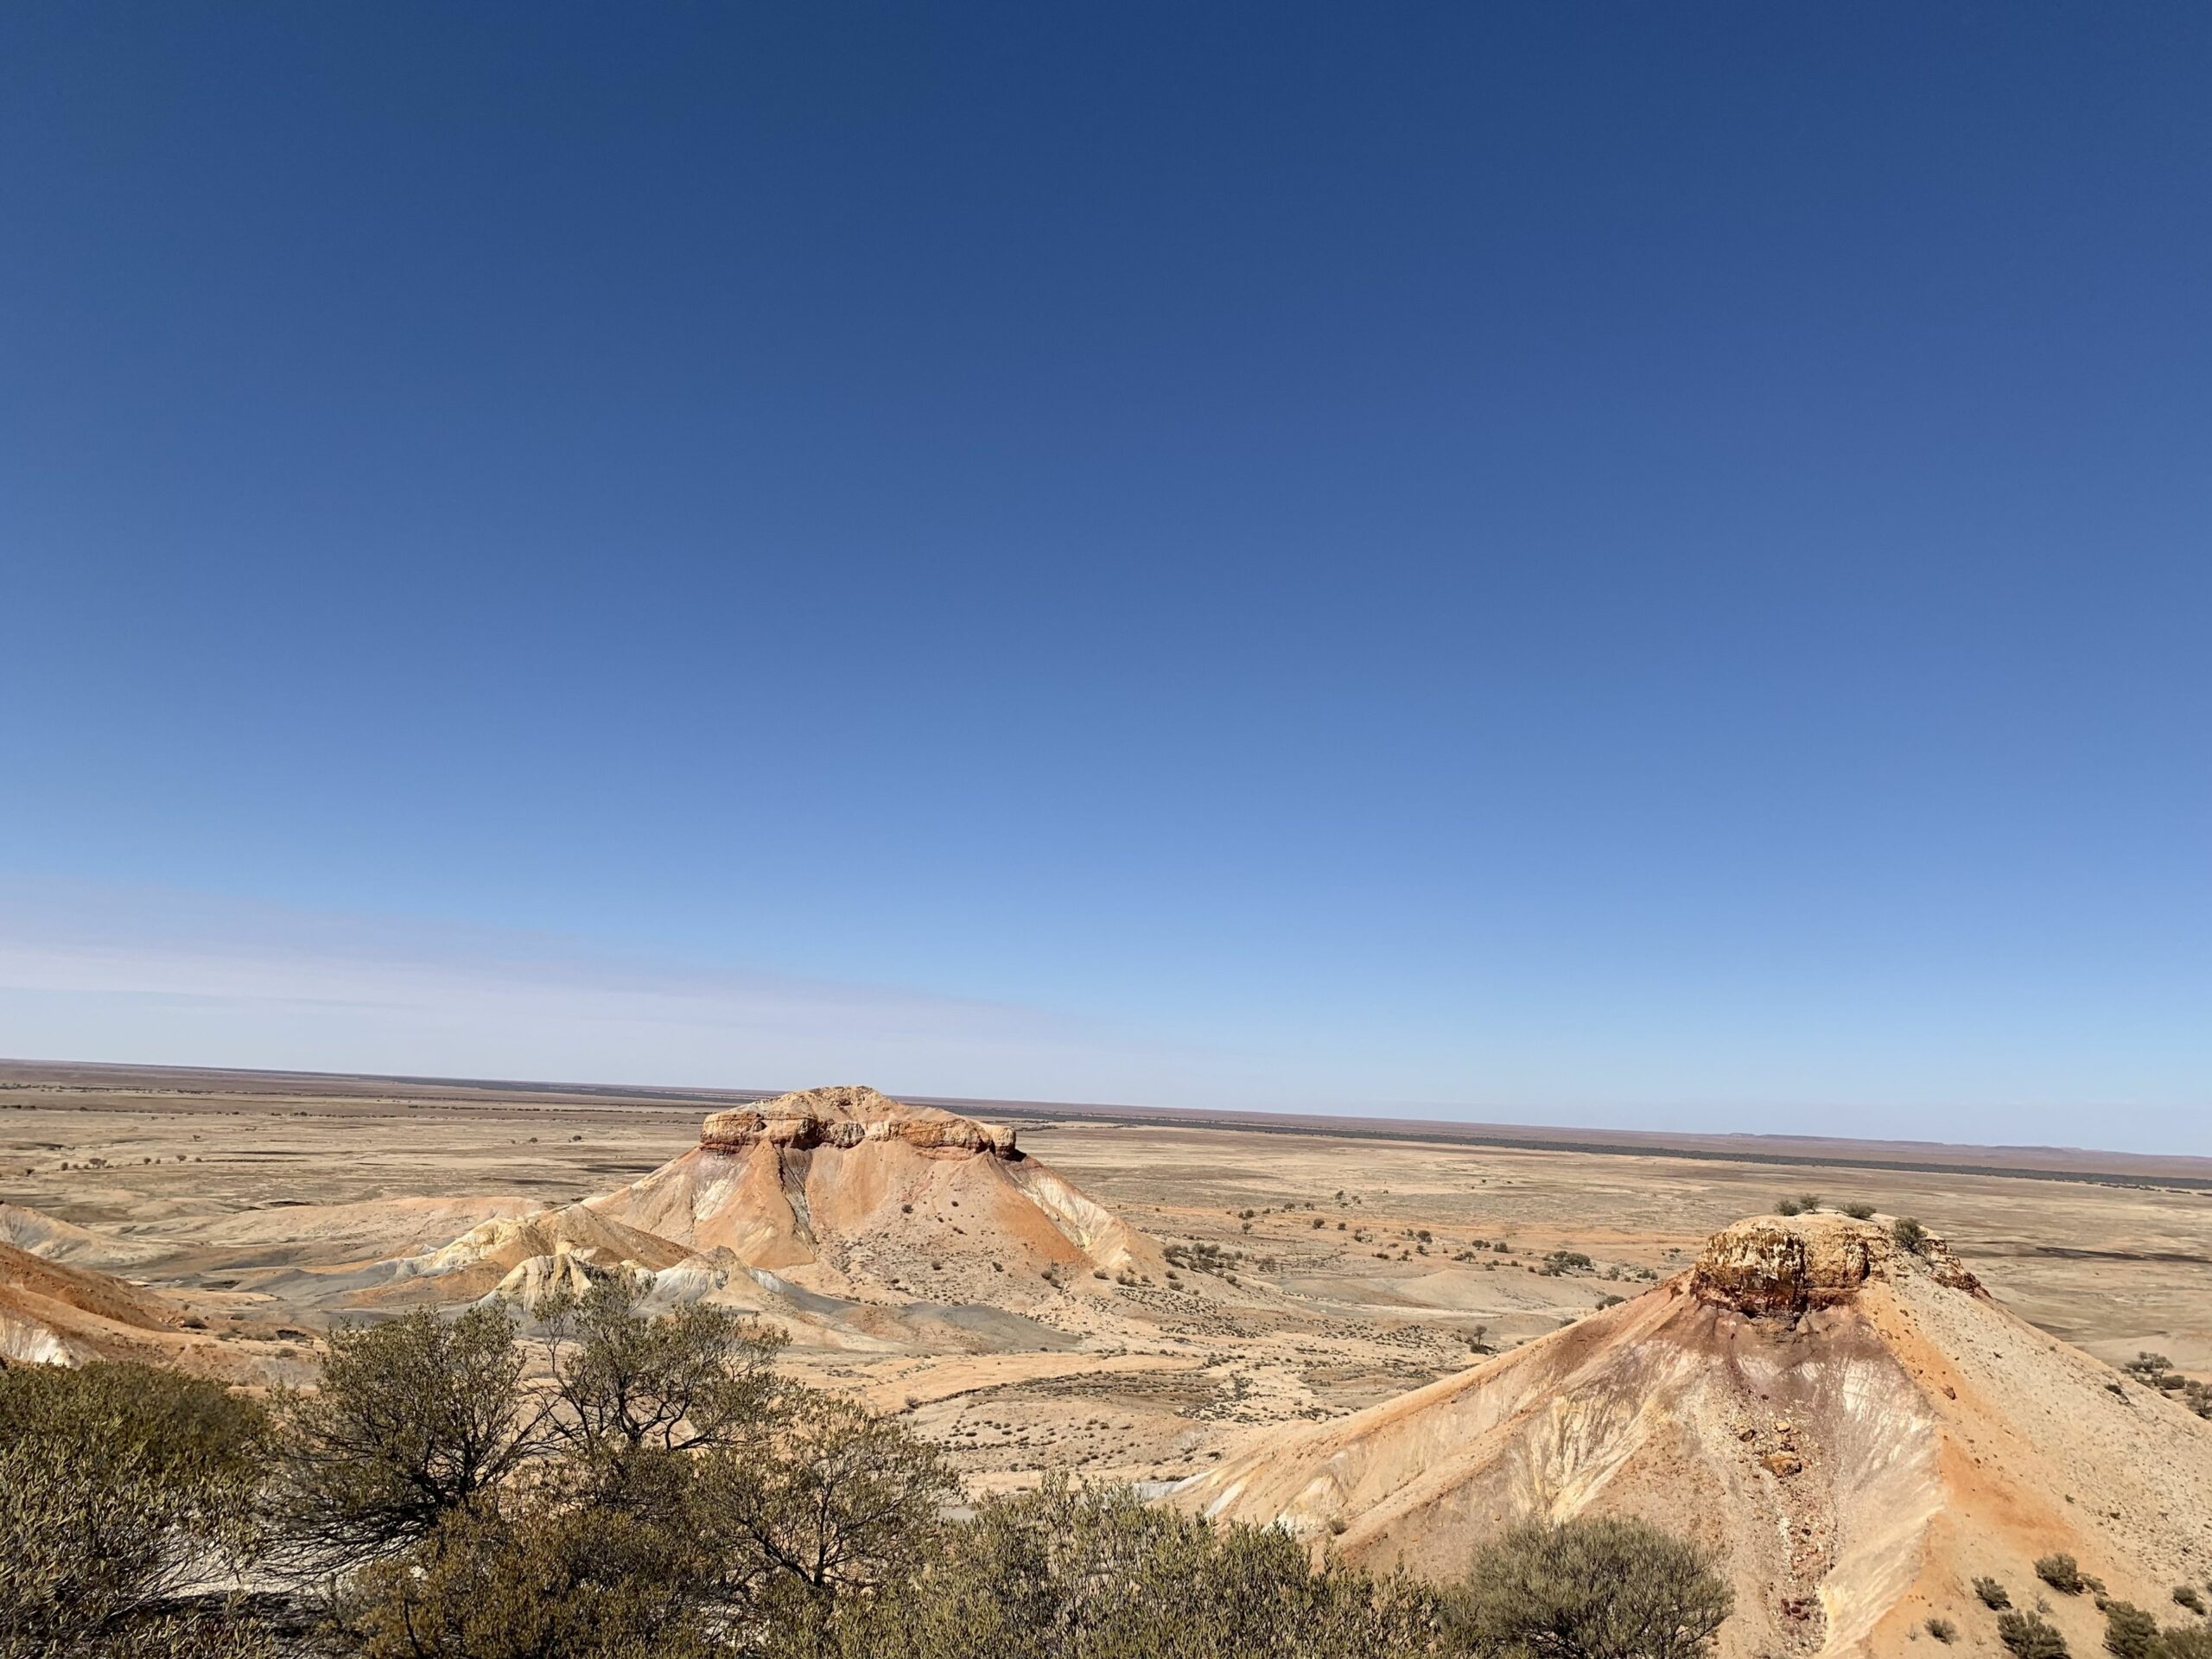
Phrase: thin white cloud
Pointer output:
(98, 975)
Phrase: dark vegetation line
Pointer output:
(1039, 1114)
(618, 1486)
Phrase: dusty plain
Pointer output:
(1358, 1264)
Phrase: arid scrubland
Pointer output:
(1894, 1385)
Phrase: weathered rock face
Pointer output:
(1855, 1461)
(845, 1116)
(1774, 1265)
(846, 1193)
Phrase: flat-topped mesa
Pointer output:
(846, 1115)
(1774, 1264)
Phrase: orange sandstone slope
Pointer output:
(54, 1313)
(1861, 1430)
(846, 1191)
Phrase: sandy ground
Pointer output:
(1363, 1270)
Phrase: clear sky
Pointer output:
(1631, 564)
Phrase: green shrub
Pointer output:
(1943, 1630)
(2186, 1641)
(537, 1581)
(1858, 1211)
(1993, 1594)
(2130, 1633)
(2030, 1636)
(1086, 1574)
(1788, 1207)
(1808, 1202)
(2061, 1573)
(1599, 1589)
(1909, 1234)
(120, 1486)
(2186, 1595)
(415, 1419)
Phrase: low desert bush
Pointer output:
(1788, 1207)
(2130, 1633)
(121, 1486)
(2030, 1636)
(1943, 1630)
(2186, 1595)
(1909, 1234)
(1859, 1211)
(2062, 1573)
(1077, 1574)
(1599, 1589)
(1993, 1594)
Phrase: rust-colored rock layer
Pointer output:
(845, 1115)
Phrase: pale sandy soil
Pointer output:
(220, 1189)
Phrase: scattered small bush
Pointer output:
(1788, 1207)
(2130, 1633)
(1808, 1202)
(1943, 1630)
(1909, 1234)
(2185, 1595)
(1859, 1211)
(1994, 1595)
(2030, 1636)
(2062, 1573)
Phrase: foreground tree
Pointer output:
(1592, 1589)
(632, 1391)
(823, 1500)
(417, 1419)
(121, 1486)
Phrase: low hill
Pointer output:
(529, 1257)
(1859, 1428)
(846, 1191)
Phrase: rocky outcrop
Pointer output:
(854, 1194)
(846, 1115)
(1851, 1422)
(1772, 1266)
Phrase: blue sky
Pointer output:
(1619, 564)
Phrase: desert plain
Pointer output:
(1337, 1265)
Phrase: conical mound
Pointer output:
(529, 1255)
(1858, 1428)
(846, 1191)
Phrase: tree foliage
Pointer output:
(1599, 1589)
(644, 1487)
(414, 1420)
(1063, 1573)
(119, 1485)
(629, 1385)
